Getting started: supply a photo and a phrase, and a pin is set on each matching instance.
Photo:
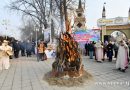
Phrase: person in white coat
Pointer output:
(99, 51)
(122, 56)
(5, 52)
(49, 52)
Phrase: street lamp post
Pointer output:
(31, 36)
(36, 30)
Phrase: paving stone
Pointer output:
(5, 88)
(37, 87)
(27, 88)
(27, 74)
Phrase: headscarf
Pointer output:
(98, 44)
(126, 46)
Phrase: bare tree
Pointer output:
(37, 9)
(27, 31)
(64, 6)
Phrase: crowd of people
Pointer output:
(99, 51)
(14, 49)
(119, 50)
(26, 48)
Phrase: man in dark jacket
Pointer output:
(86, 49)
(22, 47)
(28, 48)
(115, 46)
(16, 48)
(33, 47)
(91, 50)
(110, 51)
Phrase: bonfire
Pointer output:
(68, 60)
(67, 69)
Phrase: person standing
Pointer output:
(33, 47)
(115, 46)
(28, 48)
(91, 50)
(86, 49)
(94, 43)
(122, 57)
(105, 50)
(22, 48)
(99, 51)
(16, 48)
(5, 52)
(129, 50)
(45, 44)
(41, 51)
(49, 52)
(110, 51)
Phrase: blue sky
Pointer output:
(114, 8)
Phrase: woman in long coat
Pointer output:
(5, 52)
(122, 57)
(99, 51)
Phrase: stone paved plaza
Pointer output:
(27, 74)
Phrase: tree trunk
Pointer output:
(52, 31)
(66, 16)
(61, 16)
(52, 23)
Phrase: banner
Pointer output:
(86, 35)
(113, 21)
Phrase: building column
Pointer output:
(103, 30)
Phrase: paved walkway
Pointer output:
(26, 74)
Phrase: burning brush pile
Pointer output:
(68, 67)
